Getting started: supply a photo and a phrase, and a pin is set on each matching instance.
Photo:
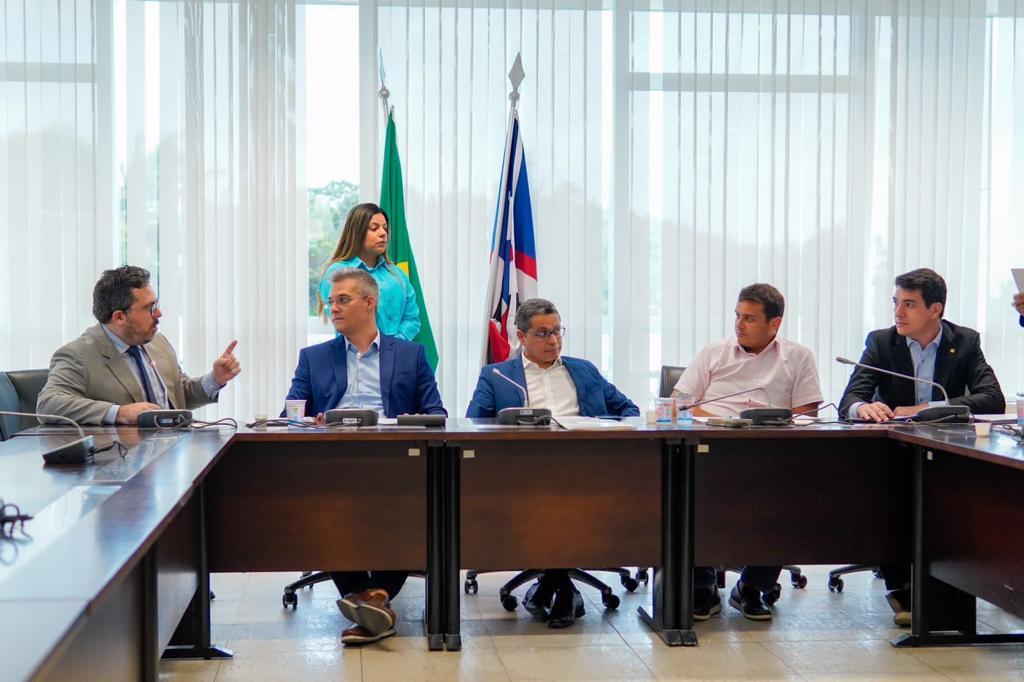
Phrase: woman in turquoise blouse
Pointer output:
(364, 244)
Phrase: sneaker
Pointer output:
(899, 601)
(748, 601)
(706, 603)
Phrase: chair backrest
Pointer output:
(19, 391)
(669, 378)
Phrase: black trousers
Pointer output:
(553, 580)
(897, 576)
(348, 582)
(761, 578)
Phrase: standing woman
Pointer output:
(364, 244)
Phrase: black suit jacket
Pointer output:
(959, 366)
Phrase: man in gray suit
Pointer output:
(122, 367)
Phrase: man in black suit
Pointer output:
(924, 345)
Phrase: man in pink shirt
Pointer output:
(782, 374)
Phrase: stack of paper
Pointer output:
(591, 424)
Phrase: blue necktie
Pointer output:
(136, 354)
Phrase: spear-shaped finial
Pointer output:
(516, 76)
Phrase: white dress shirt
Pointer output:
(552, 388)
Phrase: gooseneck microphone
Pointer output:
(522, 416)
(947, 413)
(731, 395)
(78, 451)
(758, 416)
(526, 398)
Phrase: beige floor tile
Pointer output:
(617, 662)
(714, 660)
(846, 657)
(987, 676)
(932, 676)
(188, 671)
(382, 664)
(966, 660)
(309, 666)
(290, 645)
(270, 586)
(1000, 621)
(229, 585)
(223, 610)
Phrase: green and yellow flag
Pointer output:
(392, 200)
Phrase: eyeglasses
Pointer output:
(151, 308)
(543, 334)
(11, 519)
(342, 300)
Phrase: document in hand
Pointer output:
(1018, 277)
(592, 424)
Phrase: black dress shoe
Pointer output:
(567, 608)
(706, 603)
(748, 601)
(535, 603)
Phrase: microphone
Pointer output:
(948, 413)
(526, 398)
(79, 451)
(758, 416)
(522, 416)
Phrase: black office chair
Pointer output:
(669, 378)
(310, 578)
(19, 391)
(835, 576)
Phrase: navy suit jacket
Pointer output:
(596, 395)
(960, 367)
(407, 384)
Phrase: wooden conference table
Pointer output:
(116, 571)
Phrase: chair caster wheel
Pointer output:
(630, 584)
(799, 582)
(642, 576)
(835, 585)
(470, 586)
(510, 602)
(610, 601)
(290, 599)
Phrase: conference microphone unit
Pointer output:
(521, 416)
(82, 450)
(948, 414)
(758, 416)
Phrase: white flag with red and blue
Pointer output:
(513, 277)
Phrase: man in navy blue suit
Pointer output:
(1018, 303)
(364, 369)
(542, 377)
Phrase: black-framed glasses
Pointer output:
(151, 308)
(11, 519)
(544, 334)
(342, 300)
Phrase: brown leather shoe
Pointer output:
(357, 635)
(370, 609)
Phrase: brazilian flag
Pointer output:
(392, 200)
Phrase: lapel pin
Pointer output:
(952, 350)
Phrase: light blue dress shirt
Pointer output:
(209, 384)
(923, 360)
(397, 311)
(924, 366)
(363, 390)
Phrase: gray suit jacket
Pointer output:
(88, 375)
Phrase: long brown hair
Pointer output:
(353, 236)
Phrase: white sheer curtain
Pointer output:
(446, 69)
(679, 150)
(159, 134)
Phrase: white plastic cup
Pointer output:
(261, 422)
(982, 429)
(295, 410)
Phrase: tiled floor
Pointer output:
(816, 635)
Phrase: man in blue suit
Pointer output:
(364, 369)
(542, 377)
(1018, 303)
